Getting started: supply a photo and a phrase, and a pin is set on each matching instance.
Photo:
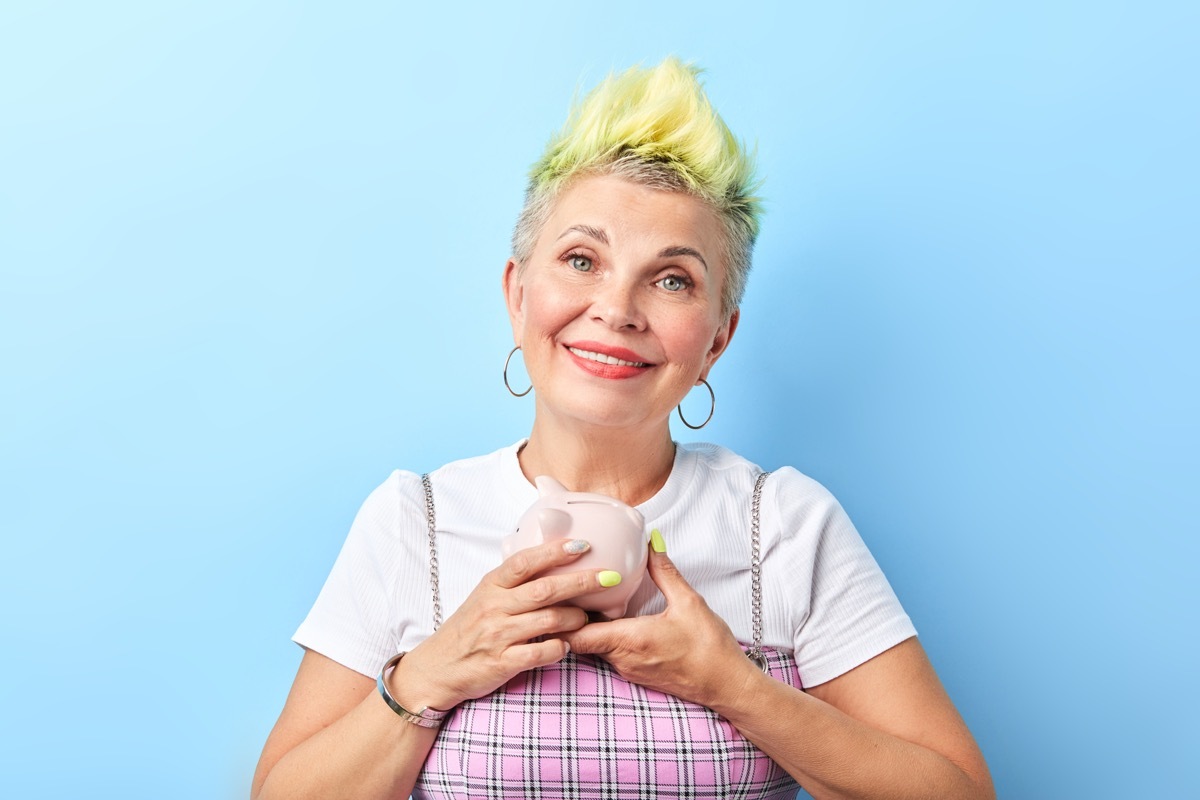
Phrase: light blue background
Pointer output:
(250, 259)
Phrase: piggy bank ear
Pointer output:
(554, 524)
(547, 486)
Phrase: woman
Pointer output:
(630, 258)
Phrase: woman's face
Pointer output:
(618, 310)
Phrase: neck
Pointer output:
(628, 464)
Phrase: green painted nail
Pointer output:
(656, 542)
(608, 578)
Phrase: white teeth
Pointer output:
(603, 359)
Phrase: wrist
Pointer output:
(405, 702)
(416, 686)
(739, 685)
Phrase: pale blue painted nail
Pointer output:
(576, 546)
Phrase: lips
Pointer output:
(604, 361)
(611, 356)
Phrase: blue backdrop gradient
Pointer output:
(250, 259)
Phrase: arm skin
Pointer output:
(336, 738)
(885, 729)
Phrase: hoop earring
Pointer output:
(712, 397)
(506, 386)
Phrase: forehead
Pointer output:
(632, 214)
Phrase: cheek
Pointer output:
(547, 312)
(690, 339)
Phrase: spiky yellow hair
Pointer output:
(652, 125)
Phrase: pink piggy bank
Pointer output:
(616, 532)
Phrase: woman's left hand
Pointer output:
(687, 650)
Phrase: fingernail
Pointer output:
(656, 542)
(568, 647)
(608, 578)
(576, 546)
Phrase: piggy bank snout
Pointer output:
(554, 523)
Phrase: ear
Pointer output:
(514, 298)
(547, 486)
(721, 340)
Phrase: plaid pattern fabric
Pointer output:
(578, 730)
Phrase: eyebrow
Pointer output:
(587, 230)
(667, 252)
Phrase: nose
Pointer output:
(617, 305)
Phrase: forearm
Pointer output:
(370, 753)
(836, 757)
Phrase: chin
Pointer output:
(615, 418)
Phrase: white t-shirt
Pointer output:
(824, 598)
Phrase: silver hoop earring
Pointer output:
(510, 389)
(713, 407)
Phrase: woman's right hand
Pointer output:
(336, 738)
(488, 639)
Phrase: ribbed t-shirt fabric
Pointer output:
(825, 599)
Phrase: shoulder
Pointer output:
(480, 482)
(477, 467)
(713, 468)
(390, 504)
(809, 520)
(798, 513)
(718, 468)
(400, 501)
(794, 494)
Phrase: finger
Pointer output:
(525, 564)
(523, 657)
(665, 574)
(599, 638)
(544, 621)
(549, 590)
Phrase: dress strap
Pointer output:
(755, 653)
(431, 522)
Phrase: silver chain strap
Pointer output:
(755, 653)
(434, 583)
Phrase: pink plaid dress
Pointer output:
(578, 730)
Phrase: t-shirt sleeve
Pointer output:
(355, 620)
(850, 613)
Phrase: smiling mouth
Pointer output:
(603, 359)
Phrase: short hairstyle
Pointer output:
(653, 126)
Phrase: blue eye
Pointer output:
(581, 263)
(674, 283)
